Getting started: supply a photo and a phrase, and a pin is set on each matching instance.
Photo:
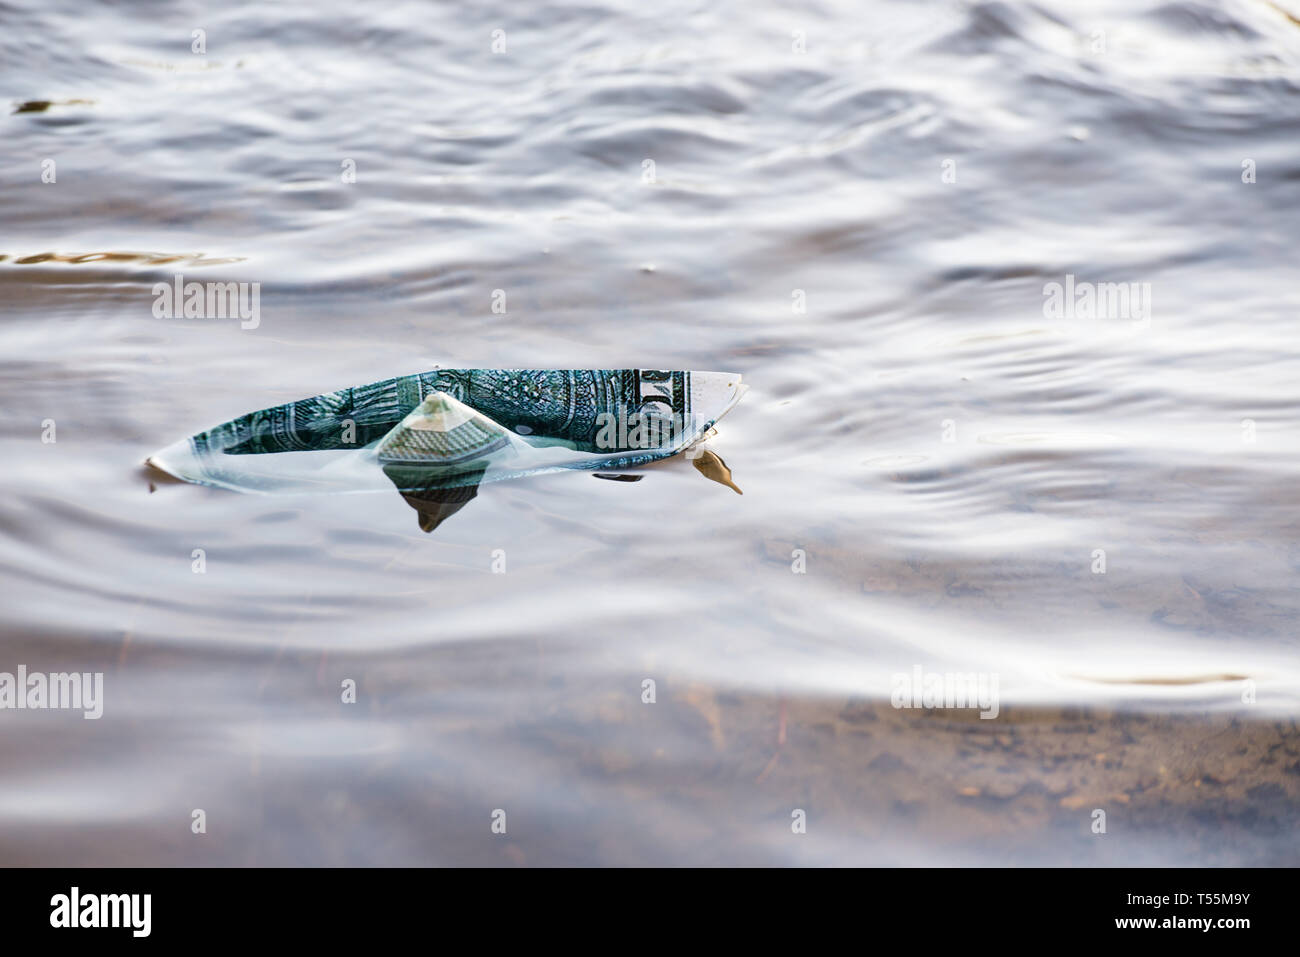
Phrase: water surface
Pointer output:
(857, 207)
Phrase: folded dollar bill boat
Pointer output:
(438, 435)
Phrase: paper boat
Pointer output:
(457, 428)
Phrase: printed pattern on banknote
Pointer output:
(572, 405)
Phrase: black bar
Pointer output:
(978, 908)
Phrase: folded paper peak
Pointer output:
(441, 431)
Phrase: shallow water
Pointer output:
(943, 457)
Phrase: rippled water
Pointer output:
(858, 208)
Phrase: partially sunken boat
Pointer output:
(434, 432)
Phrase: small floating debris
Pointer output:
(40, 106)
(139, 258)
(1172, 680)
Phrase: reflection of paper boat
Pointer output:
(433, 503)
(468, 425)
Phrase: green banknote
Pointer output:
(436, 436)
